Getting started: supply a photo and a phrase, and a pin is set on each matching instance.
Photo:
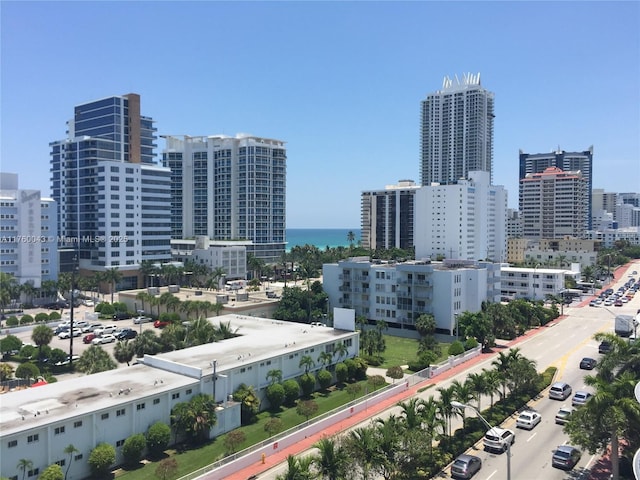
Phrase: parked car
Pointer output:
(566, 457)
(66, 361)
(67, 333)
(141, 319)
(604, 347)
(580, 398)
(91, 327)
(105, 330)
(498, 439)
(88, 338)
(59, 329)
(560, 391)
(121, 316)
(465, 466)
(528, 419)
(563, 415)
(160, 323)
(80, 324)
(88, 303)
(588, 363)
(126, 334)
(617, 303)
(107, 338)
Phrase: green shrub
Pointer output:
(13, 321)
(25, 319)
(42, 317)
(342, 372)
(456, 348)
(275, 395)
(120, 307)
(158, 437)
(291, 392)
(324, 378)
(27, 352)
(52, 472)
(54, 315)
(470, 343)
(133, 448)
(107, 309)
(424, 360)
(101, 458)
(27, 370)
(307, 384)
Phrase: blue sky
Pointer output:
(340, 82)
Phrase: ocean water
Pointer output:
(320, 237)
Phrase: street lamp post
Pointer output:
(462, 406)
(455, 315)
(73, 281)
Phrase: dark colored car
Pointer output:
(604, 347)
(127, 334)
(122, 316)
(466, 466)
(565, 457)
(587, 363)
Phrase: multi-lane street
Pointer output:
(561, 344)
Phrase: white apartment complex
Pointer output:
(532, 283)
(229, 188)
(466, 220)
(39, 423)
(230, 256)
(28, 233)
(399, 293)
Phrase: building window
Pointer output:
(175, 395)
(58, 430)
(77, 424)
(12, 443)
(61, 462)
(33, 438)
(34, 472)
(120, 413)
(140, 406)
(156, 401)
(189, 391)
(104, 416)
(78, 457)
(119, 443)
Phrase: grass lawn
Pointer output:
(193, 459)
(401, 350)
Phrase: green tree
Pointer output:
(195, 418)
(307, 363)
(353, 389)
(101, 458)
(70, 450)
(297, 469)
(6, 372)
(395, 372)
(112, 276)
(273, 426)
(52, 472)
(324, 378)
(250, 403)
(25, 465)
(133, 448)
(27, 371)
(124, 351)
(426, 324)
(307, 408)
(10, 343)
(307, 384)
(41, 336)
(331, 461)
(94, 360)
(275, 395)
(342, 372)
(146, 343)
(158, 438)
(274, 376)
(611, 414)
(291, 391)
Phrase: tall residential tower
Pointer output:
(229, 188)
(113, 199)
(456, 131)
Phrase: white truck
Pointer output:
(624, 325)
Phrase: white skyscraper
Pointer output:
(456, 131)
(229, 188)
(464, 221)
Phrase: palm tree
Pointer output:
(143, 297)
(325, 358)
(446, 410)
(492, 377)
(462, 393)
(124, 351)
(196, 417)
(331, 461)
(351, 237)
(478, 385)
(148, 269)
(70, 450)
(112, 276)
(224, 330)
(388, 438)
(274, 376)
(362, 447)
(340, 350)
(146, 342)
(41, 336)
(307, 363)
(502, 365)
(297, 469)
(29, 291)
(412, 413)
(431, 421)
(95, 360)
(24, 464)
(611, 413)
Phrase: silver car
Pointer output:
(465, 466)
